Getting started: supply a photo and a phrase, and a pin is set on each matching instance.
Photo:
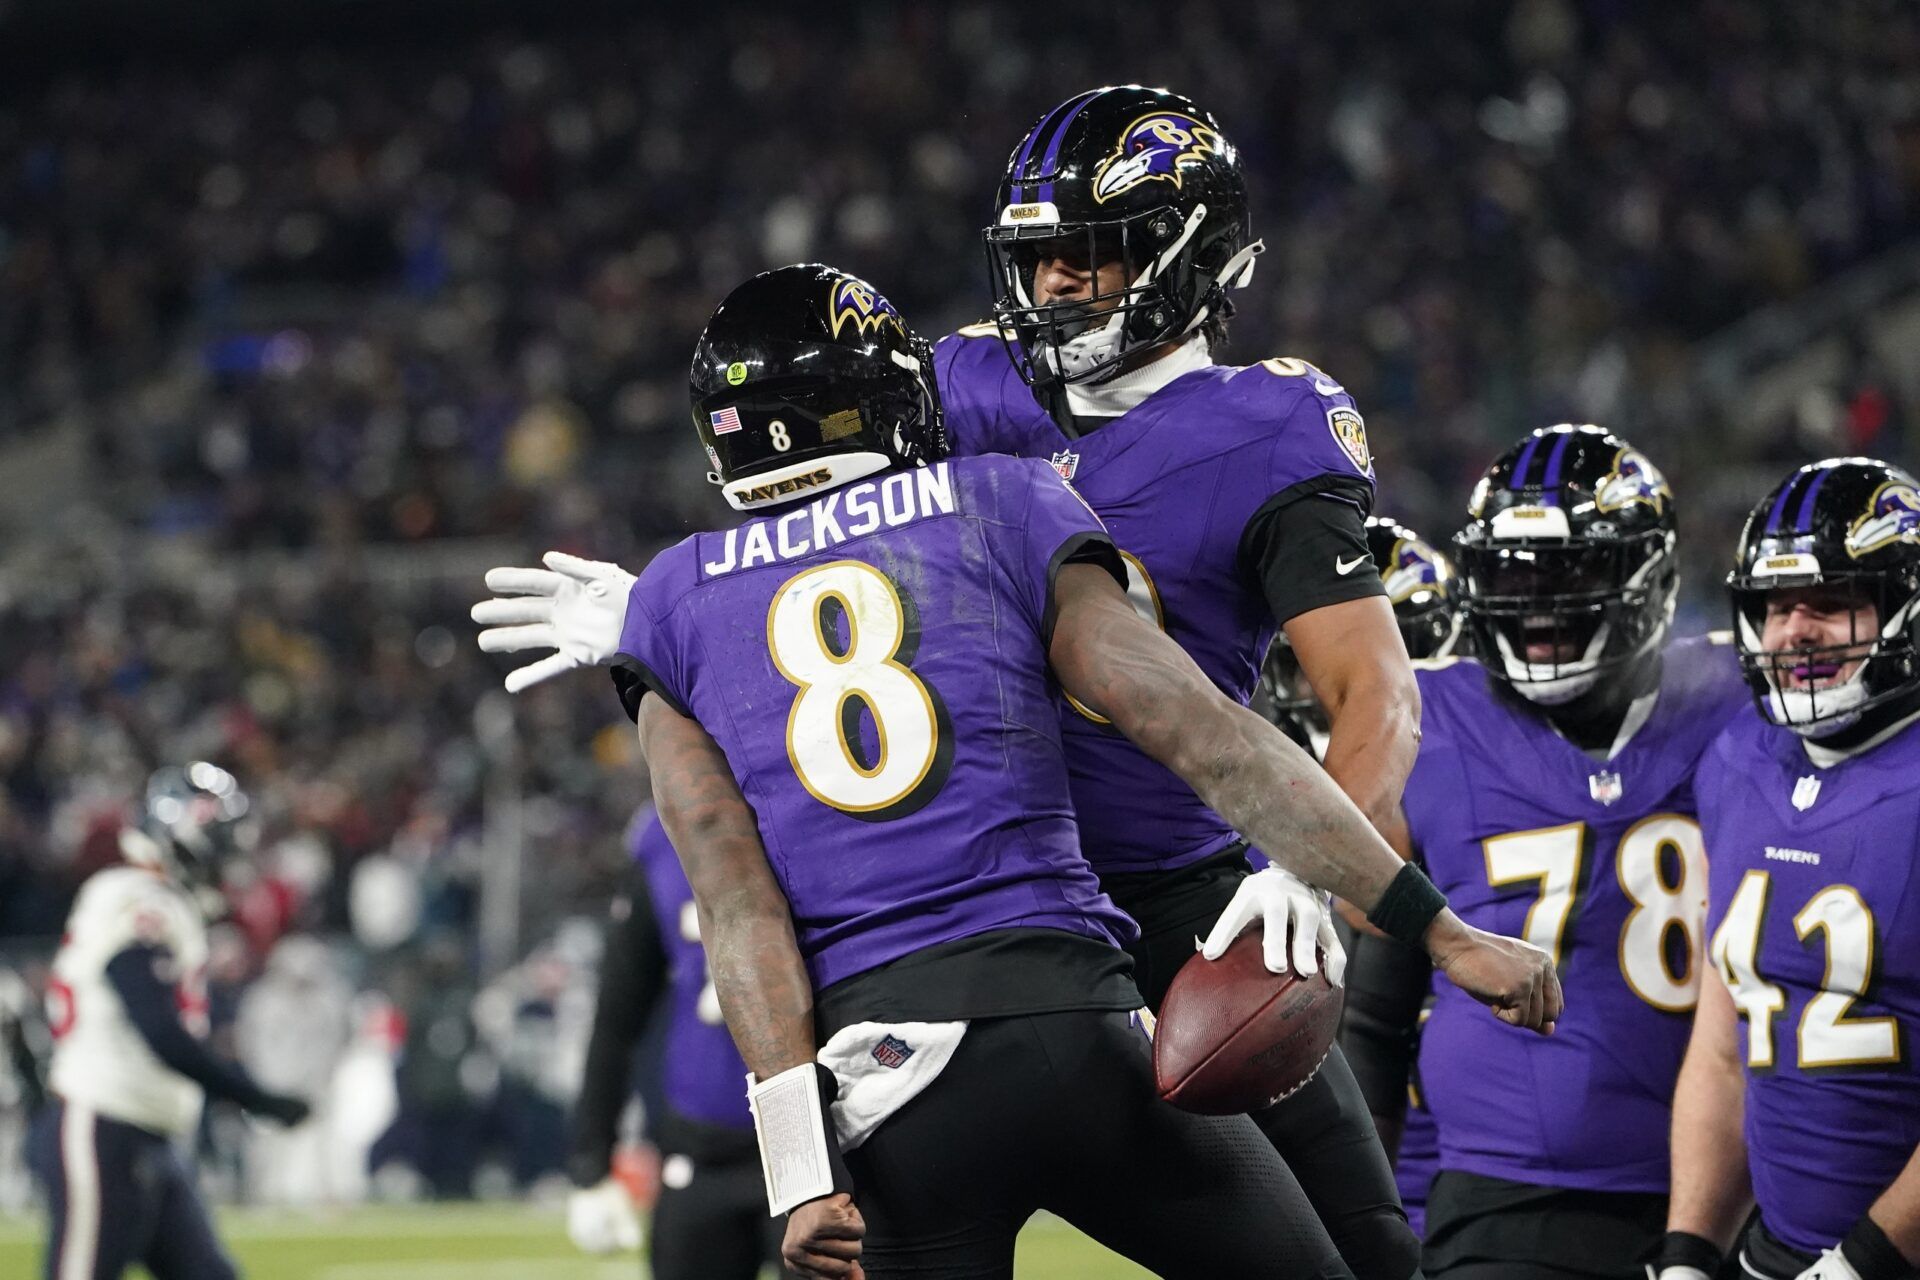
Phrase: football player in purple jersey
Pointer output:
(1812, 815)
(710, 1222)
(849, 710)
(1237, 495)
(1553, 797)
(1423, 588)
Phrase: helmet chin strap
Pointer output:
(1549, 684)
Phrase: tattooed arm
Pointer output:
(744, 923)
(1267, 788)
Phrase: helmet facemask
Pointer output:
(1168, 292)
(1552, 617)
(1801, 688)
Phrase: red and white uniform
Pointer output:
(100, 1060)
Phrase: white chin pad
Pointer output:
(1549, 684)
(1816, 713)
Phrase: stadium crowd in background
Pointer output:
(310, 300)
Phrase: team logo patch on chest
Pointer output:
(892, 1052)
(1350, 432)
(1066, 462)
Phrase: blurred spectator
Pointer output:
(291, 1031)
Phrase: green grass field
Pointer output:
(487, 1242)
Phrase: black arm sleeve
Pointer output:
(633, 975)
(1386, 985)
(136, 976)
(1299, 541)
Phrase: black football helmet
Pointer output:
(1850, 525)
(807, 378)
(1567, 566)
(1130, 172)
(1420, 583)
(196, 821)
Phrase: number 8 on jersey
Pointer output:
(840, 678)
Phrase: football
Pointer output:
(1232, 1037)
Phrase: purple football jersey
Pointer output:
(1603, 865)
(874, 665)
(1176, 479)
(1815, 921)
(702, 1074)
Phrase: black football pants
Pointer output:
(711, 1222)
(119, 1195)
(1325, 1131)
(1057, 1111)
(1481, 1228)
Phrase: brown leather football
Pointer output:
(1233, 1038)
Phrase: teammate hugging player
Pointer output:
(1553, 797)
(1812, 814)
(846, 706)
(1237, 496)
(710, 1221)
(128, 1008)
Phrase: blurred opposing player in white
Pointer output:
(128, 1009)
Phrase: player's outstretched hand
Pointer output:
(283, 1108)
(1516, 979)
(823, 1239)
(601, 1218)
(1294, 917)
(574, 606)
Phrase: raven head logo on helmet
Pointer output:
(1892, 516)
(1826, 589)
(1154, 147)
(1567, 562)
(855, 302)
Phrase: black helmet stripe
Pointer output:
(1807, 483)
(1047, 128)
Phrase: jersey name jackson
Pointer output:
(851, 512)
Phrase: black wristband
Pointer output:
(1873, 1255)
(829, 1086)
(1684, 1249)
(1408, 907)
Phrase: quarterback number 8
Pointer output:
(777, 436)
(837, 682)
(1662, 903)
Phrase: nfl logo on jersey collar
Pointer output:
(1066, 462)
(1605, 786)
(1806, 791)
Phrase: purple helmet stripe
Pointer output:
(1019, 192)
(1521, 464)
(1053, 147)
(1552, 478)
(1780, 504)
(1803, 519)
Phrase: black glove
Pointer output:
(281, 1107)
(1682, 1252)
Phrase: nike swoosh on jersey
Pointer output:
(1345, 567)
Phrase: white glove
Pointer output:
(578, 609)
(1285, 904)
(601, 1219)
(1832, 1264)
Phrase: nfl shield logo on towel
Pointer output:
(892, 1051)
